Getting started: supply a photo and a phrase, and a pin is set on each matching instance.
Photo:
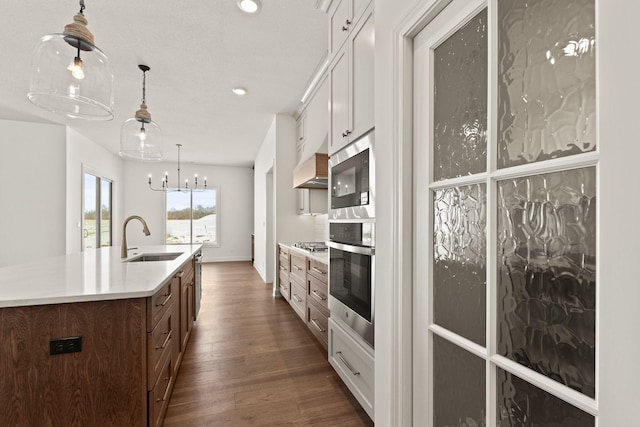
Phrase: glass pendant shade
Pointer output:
(71, 76)
(141, 140)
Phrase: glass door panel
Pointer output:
(547, 275)
(521, 404)
(459, 386)
(460, 101)
(459, 266)
(547, 80)
(105, 212)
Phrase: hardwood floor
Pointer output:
(252, 361)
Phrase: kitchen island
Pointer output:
(89, 339)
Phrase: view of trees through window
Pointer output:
(192, 217)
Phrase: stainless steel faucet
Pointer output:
(145, 230)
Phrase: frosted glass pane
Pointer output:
(459, 386)
(547, 91)
(547, 275)
(459, 273)
(521, 404)
(460, 101)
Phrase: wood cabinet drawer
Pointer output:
(318, 323)
(159, 395)
(299, 267)
(283, 258)
(158, 304)
(354, 363)
(298, 300)
(284, 285)
(318, 292)
(160, 342)
(317, 269)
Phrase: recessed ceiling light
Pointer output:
(240, 91)
(249, 6)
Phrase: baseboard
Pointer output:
(226, 259)
(262, 274)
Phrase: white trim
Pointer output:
(323, 5)
(225, 259)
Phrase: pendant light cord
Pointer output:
(81, 7)
(144, 86)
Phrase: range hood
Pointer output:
(313, 173)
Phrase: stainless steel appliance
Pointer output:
(197, 271)
(351, 275)
(351, 179)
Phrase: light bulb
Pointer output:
(142, 135)
(249, 6)
(76, 68)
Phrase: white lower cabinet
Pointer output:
(354, 362)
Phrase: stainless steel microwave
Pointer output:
(351, 181)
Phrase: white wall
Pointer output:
(236, 205)
(278, 151)
(32, 191)
(82, 151)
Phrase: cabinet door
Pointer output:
(339, 93)
(362, 78)
(300, 129)
(184, 315)
(340, 20)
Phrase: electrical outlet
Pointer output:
(65, 345)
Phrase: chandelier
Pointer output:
(70, 75)
(166, 187)
(140, 137)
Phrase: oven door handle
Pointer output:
(353, 249)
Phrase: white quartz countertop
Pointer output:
(322, 257)
(92, 275)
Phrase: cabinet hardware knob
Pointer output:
(347, 22)
(345, 28)
(348, 132)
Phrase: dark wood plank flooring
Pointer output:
(252, 361)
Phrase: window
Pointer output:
(192, 217)
(96, 211)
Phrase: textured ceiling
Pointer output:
(197, 51)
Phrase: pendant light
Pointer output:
(141, 138)
(167, 188)
(70, 75)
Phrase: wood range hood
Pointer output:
(312, 173)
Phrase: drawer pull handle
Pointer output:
(297, 298)
(298, 267)
(317, 270)
(166, 300)
(319, 295)
(179, 275)
(318, 326)
(166, 391)
(347, 364)
(166, 341)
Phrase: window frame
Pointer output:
(217, 207)
(86, 170)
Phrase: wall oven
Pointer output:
(351, 275)
(351, 181)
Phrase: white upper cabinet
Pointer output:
(351, 85)
(343, 18)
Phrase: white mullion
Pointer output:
(478, 178)
(575, 161)
(459, 341)
(491, 209)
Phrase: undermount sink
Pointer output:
(156, 257)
